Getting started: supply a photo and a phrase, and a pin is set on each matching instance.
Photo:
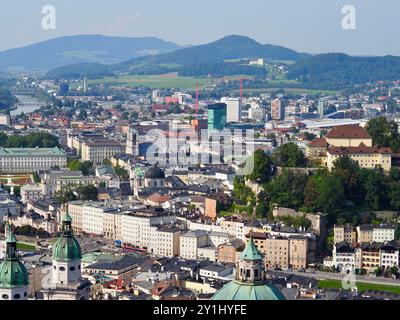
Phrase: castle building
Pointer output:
(14, 278)
(66, 281)
(250, 282)
(352, 141)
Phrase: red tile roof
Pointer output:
(319, 143)
(361, 149)
(158, 198)
(348, 131)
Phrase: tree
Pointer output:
(7, 99)
(121, 173)
(86, 167)
(347, 169)
(331, 194)
(384, 133)
(3, 139)
(287, 189)
(88, 192)
(375, 189)
(311, 194)
(262, 170)
(289, 155)
(65, 195)
(394, 195)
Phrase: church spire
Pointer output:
(250, 267)
(11, 242)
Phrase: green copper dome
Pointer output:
(67, 248)
(12, 272)
(236, 290)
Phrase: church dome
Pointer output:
(67, 248)
(12, 271)
(235, 290)
(13, 274)
(154, 173)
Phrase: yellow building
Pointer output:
(352, 141)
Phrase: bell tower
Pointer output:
(14, 278)
(250, 268)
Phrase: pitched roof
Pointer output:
(251, 252)
(361, 149)
(348, 131)
(318, 143)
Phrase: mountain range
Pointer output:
(53, 53)
(223, 55)
(99, 56)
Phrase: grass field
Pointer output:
(361, 286)
(170, 80)
(25, 247)
(298, 91)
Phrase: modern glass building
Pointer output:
(217, 116)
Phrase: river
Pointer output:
(27, 104)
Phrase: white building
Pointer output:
(191, 241)
(31, 192)
(389, 255)
(344, 256)
(28, 160)
(165, 241)
(233, 109)
(383, 233)
(5, 119)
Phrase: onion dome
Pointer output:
(12, 271)
(66, 248)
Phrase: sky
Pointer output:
(313, 26)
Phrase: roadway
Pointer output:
(319, 275)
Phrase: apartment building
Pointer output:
(191, 241)
(344, 256)
(218, 238)
(165, 241)
(31, 192)
(98, 150)
(383, 233)
(131, 226)
(282, 252)
(229, 252)
(370, 256)
(298, 252)
(346, 234)
(389, 255)
(365, 233)
(28, 160)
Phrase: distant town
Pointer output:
(116, 191)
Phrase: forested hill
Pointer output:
(340, 70)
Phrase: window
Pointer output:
(25, 294)
(62, 269)
(17, 296)
(5, 296)
(71, 268)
